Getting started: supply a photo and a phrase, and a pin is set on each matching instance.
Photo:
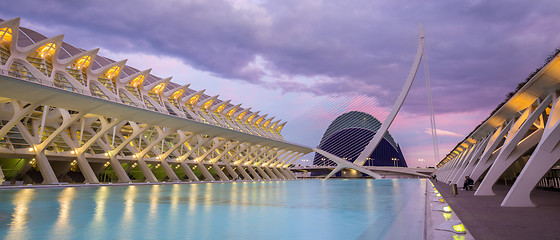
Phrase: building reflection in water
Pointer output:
(63, 227)
(99, 222)
(127, 220)
(18, 227)
(154, 200)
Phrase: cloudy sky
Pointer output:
(308, 61)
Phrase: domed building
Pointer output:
(349, 134)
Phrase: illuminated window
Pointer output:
(5, 41)
(258, 121)
(231, 112)
(137, 81)
(109, 77)
(46, 51)
(177, 94)
(193, 100)
(250, 119)
(158, 89)
(78, 69)
(241, 115)
(267, 122)
(42, 58)
(112, 72)
(82, 63)
(207, 104)
(6, 37)
(220, 108)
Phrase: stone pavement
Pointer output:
(486, 219)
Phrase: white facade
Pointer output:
(66, 112)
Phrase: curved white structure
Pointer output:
(70, 115)
(518, 142)
(368, 150)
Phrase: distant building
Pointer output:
(348, 135)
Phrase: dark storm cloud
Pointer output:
(477, 50)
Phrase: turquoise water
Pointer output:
(306, 209)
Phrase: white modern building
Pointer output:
(70, 115)
(517, 143)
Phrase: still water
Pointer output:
(305, 209)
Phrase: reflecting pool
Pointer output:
(311, 209)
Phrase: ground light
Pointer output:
(459, 228)
(454, 226)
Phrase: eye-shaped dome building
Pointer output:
(348, 135)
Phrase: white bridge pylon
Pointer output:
(368, 150)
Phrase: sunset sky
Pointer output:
(308, 61)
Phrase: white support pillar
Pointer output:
(459, 168)
(459, 176)
(514, 143)
(243, 173)
(452, 165)
(188, 171)
(207, 175)
(231, 172)
(546, 154)
(286, 173)
(83, 163)
(119, 170)
(263, 173)
(254, 173)
(488, 156)
(472, 162)
(220, 173)
(19, 113)
(277, 173)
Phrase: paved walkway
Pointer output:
(486, 219)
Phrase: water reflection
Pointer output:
(99, 222)
(129, 198)
(18, 226)
(248, 210)
(154, 200)
(62, 227)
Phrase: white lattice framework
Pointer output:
(64, 110)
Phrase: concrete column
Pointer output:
(270, 173)
(188, 171)
(513, 143)
(243, 173)
(469, 168)
(148, 174)
(220, 173)
(262, 173)
(486, 159)
(86, 170)
(205, 172)
(278, 174)
(546, 154)
(286, 175)
(231, 172)
(254, 173)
